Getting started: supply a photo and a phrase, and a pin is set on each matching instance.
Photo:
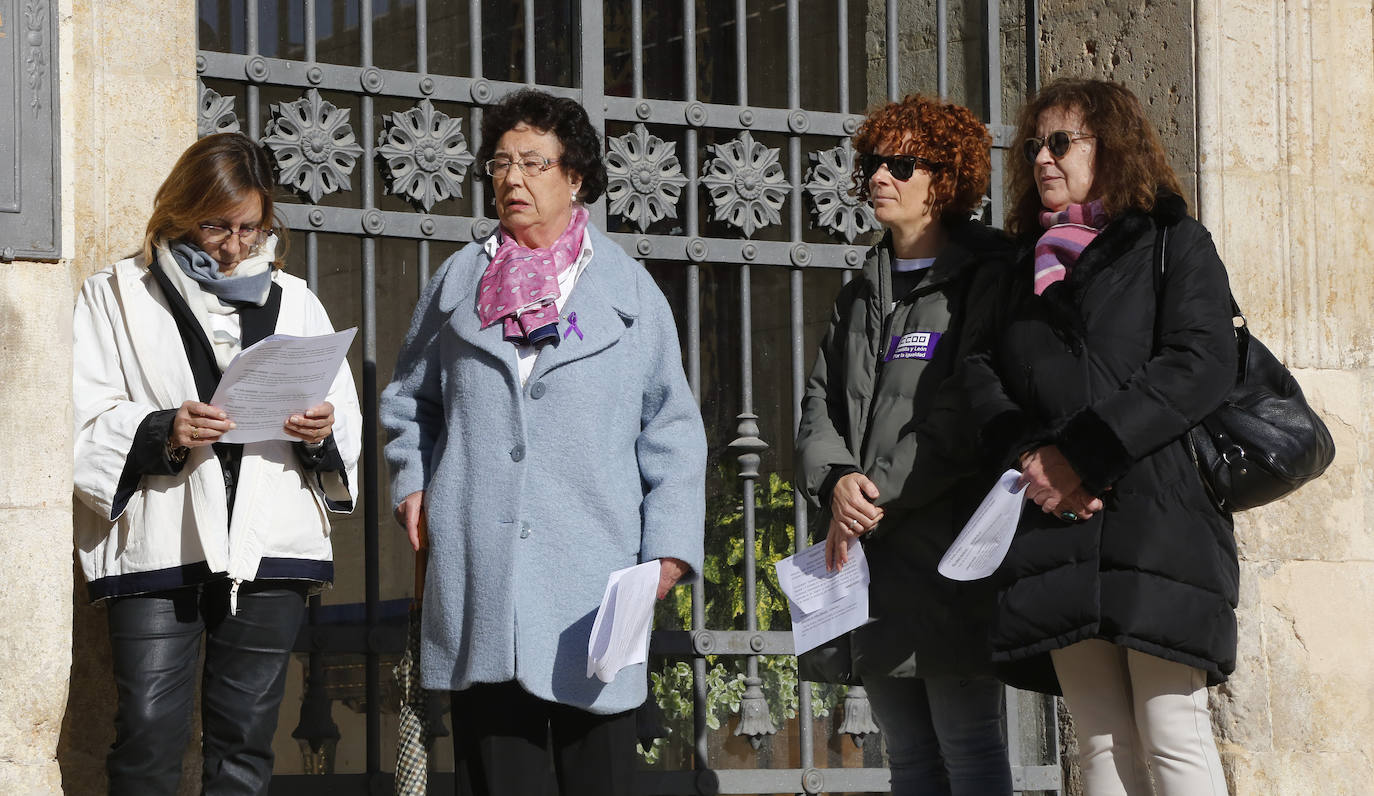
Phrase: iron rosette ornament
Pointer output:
(216, 113)
(424, 155)
(746, 183)
(313, 145)
(830, 184)
(644, 177)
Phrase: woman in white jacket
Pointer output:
(197, 537)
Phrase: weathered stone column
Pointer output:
(35, 522)
(1286, 154)
(35, 458)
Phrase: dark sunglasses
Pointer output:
(1058, 141)
(901, 167)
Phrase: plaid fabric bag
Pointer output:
(412, 747)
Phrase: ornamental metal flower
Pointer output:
(746, 183)
(858, 716)
(829, 182)
(313, 145)
(645, 177)
(425, 155)
(216, 113)
(754, 719)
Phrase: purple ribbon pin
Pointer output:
(572, 327)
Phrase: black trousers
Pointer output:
(156, 639)
(507, 742)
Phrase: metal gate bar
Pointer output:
(807, 752)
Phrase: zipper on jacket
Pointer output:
(234, 597)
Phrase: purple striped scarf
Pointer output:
(1067, 233)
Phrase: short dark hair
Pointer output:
(565, 118)
(1130, 166)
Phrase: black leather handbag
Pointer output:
(1264, 441)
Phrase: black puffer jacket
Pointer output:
(1078, 367)
(903, 423)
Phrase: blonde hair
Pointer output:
(211, 177)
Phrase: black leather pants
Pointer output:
(155, 639)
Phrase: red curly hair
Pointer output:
(941, 132)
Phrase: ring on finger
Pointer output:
(195, 432)
(1068, 516)
(854, 525)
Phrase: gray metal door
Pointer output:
(727, 126)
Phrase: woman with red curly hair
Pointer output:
(885, 452)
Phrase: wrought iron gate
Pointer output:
(727, 125)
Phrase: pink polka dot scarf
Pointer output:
(1067, 233)
(520, 285)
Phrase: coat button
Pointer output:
(524, 531)
(537, 390)
(517, 453)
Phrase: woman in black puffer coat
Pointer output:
(1120, 588)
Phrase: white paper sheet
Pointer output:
(620, 632)
(277, 377)
(824, 604)
(979, 548)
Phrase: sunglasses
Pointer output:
(901, 167)
(1058, 141)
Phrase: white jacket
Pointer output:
(129, 361)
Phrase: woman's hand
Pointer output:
(852, 503)
(197, 425)
(670, 571)
(314, 425)
(851, 513)
(410, 513)
(837, 540)
(1054, 486)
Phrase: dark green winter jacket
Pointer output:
(881, 400)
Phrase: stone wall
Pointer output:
(1285, 116)
(35, 499)
(1274, 124)
(35, 521)
(126, 74)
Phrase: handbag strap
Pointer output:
(1242, 329)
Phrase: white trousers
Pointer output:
(1138, 715)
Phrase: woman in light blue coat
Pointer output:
(544, 437)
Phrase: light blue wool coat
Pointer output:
(535, 494)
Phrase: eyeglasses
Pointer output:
(215, 234)
(901, 167)
(500, 167)
(1058, 142)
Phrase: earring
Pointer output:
(574, 197)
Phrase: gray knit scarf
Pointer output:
(238, 290)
